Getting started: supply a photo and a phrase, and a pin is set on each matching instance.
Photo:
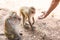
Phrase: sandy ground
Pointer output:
(46, 29)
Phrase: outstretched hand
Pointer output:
(42, 16)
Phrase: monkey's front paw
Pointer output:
(33, 28)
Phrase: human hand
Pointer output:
(42, 16)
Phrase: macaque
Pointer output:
(9, 30)
(51, 8)
(28, 14)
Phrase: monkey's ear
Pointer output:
(13, 14)
(32, 9)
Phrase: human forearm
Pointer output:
(52, 7)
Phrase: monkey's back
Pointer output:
(24, 11)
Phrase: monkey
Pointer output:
(9, 30)
(51, 8)
(28, 13)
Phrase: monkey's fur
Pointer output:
(10, 32)
(27, 14)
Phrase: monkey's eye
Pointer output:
(32, 11)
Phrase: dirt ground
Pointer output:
(46, 29)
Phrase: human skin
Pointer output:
(51, 8)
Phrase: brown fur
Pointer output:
(27, 14)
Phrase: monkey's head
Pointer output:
(14, 15)
(32, 10)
